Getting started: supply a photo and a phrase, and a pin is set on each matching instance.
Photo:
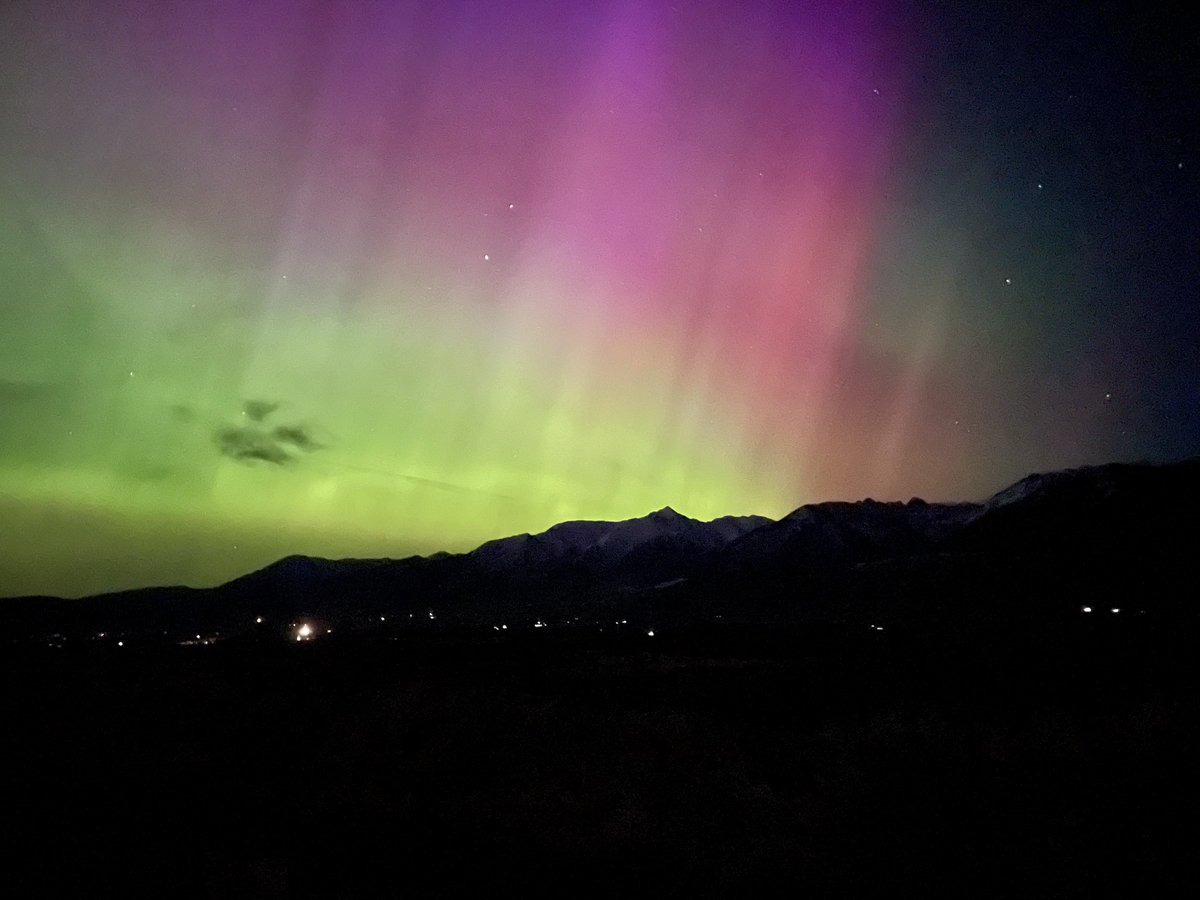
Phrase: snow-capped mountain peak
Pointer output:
(601, 544)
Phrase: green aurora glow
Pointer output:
(371, 281)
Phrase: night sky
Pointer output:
(357, 279)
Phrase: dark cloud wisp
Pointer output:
(278, 447)
(258, 410)
(249, 445)
(297, 436)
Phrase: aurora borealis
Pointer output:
(371, 279)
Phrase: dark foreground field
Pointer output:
(716, 761)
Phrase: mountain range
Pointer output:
(1112, 539)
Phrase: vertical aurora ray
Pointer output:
(498, 265)
(516, 264)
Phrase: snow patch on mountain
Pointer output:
(602, 544)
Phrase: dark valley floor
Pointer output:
(705, 761)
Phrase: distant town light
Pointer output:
(1087, 609)
(120, 643)
(305, 630)
(1115, 610)
(258, 620)
(650, 633)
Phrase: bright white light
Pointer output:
(1087, 609)
(258, 619)
(504, 628)
(383, 618)
(650, 633)
(1115, 610)
(305, 630)
(120, 643)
